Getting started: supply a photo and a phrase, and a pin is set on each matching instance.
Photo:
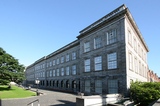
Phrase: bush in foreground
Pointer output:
(144, 92)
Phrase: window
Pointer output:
(50, 63)
(54, 73)
(130, 62)
(112, 86)
(57, 72)
(86, 46)
(112, 60)
(136, 65)
(74, 70)
(67, 70)
(43, 65)
(135, 44)
(98, 63)
(98, 86)
(129, 37)
(54, 62)
(67, 57)
(51, 73)
(73, 55)
(62, 59)
(97, 42)
(57, 60)
(111, 36)
(62, 71)
(87, 86)
(87, 65)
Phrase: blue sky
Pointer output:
(31, 29)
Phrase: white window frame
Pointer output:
(87, 46)
(97, 42)
(112, 60)
(111, 36)
(87, 67)
(98, 63)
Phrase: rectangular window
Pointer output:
(67, 70)
(112, 86)
(98, 86)
(97, 42)
(87, 86)
(129, 37)
(112, 60)
(111, 36)
(54, 73)
(87, 65)
(98, 63)
(74, 70)
(54, 62)
(73, 55)
(62, 71)
(136, 65)
(62, 59)
(51, 73)
(130, 62)
(135, 44)
(67, 57)
(57, 60)
(57, 72)
(50, 63)
(86, 46)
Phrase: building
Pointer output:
(106, 57)
(153, 77)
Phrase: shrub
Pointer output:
(145, 92)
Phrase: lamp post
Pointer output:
(37, 82)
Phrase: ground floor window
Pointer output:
(112, 86)
(87, 86)
(98, 86)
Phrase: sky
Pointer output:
(31, 29)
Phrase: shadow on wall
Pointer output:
(65, 103)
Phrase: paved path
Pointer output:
(49, 98)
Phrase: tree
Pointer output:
(10, 68)
(145, 92)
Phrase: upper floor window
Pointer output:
(73, 55)
(111, 36)
(54, 73)
(87, 65)
(129, 37)
(67, 70)
(86, 46)
(50, 63)
(57, 72)
(97, 42)
(74, 70)
(112, 60)
(62, 71)
(67, 57)
(57, 60)
(130, 61)
(51, 73)
(98, 63)
(62, 59)
(54, 62)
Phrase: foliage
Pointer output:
(145, 92)
(14, 92)
(10, 69)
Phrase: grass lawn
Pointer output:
(14, 92)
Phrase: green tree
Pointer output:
(10, 68)
(145, 92)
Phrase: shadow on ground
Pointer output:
(65, 103)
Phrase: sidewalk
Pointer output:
(49, 98)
